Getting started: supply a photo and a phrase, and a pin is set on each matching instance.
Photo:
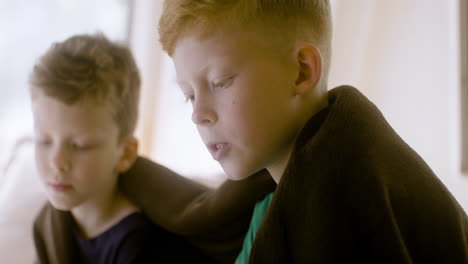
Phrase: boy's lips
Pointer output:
(218, 149)
(60, 187)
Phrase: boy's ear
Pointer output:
(129, 154)
(309, 60)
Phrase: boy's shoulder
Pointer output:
(350, 150)
(140, 240)
(134, 238)
(52, 236)
(352, 178)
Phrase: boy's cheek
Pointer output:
(41, 164)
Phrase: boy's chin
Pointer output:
(60, 205)
(236, 174)
(236, 177)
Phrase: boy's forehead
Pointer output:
(194, 55)
(227, 37)
(82, 116)
(224, 43)
(197, 54)
(81, 105)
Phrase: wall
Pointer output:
(404, 56)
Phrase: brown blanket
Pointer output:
(354, 192)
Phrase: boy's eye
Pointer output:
(189, 98)
(76, 146)
(223, 84)
(42, 142)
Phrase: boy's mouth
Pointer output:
(59, 187)
(217, 149)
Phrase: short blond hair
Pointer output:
(91, 67)
(308, 20)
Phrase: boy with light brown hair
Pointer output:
(349, 190)
(85, 99)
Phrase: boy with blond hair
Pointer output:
(85, 98)
(349, 189)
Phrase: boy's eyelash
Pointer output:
(220, 84)
(42, 142)
(47, 143)
(223, 83)
(189, 98)
(80, 147)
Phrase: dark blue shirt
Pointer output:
(135, 239)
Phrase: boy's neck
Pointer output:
(277, 169)
(96, 216)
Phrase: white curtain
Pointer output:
(404, 55)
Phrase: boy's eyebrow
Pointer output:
(181, 83)
(202, 72)
(183, 86)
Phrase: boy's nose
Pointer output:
(203, 115)
(60, 160)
